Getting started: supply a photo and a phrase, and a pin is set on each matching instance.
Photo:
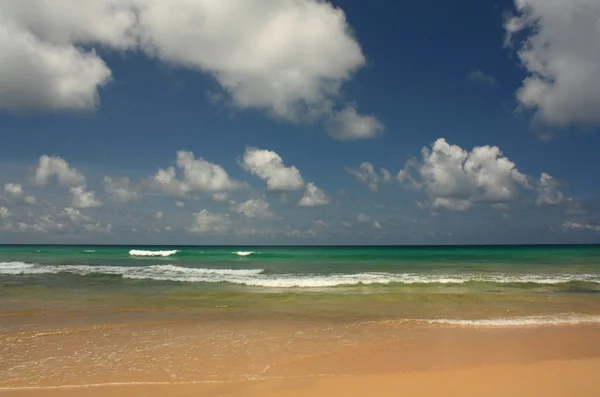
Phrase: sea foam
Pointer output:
(243, 253)
(257, 277)
(152, 253)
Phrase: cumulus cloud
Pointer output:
(253, 208)
(548, 193)
(313, 197)
(198, 175)
(206, 222)
(80, 198)
(269, 166)
(44, 224)
(366, 174)
(479, 76)
(347, 124)
(561, 53)
(576, 226)
(120, 189)
(75, 216)
(4, 212)
(455, 178)
(179, 204)
(13, 189)
(159, 215)
(97, 228)
(363, 217)
(16, 191)
(289, 58)
(52, 166)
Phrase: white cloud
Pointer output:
(479, 76)
(49, 167)
(366, 173)
(44, 224)
(75, 216)
(576, 226)
(206, 222)
(363, 217)
(30, 200)
(159, 215)
(13, 189)
(455, 178)
(201, 175)
(561, 54)
(253, 208)
(198, 175)
(97, 228)
(120, 189)
(313, 196)
(269, 166)
(4, 212)
(348, 124)
(289, 58)
(376, 224)
(180, 204)
(548, 193)
(80, 198)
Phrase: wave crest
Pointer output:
(152, 253)
(243, 253)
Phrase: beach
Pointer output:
(110, 322)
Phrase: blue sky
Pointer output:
(299, 122)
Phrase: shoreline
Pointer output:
(540, 378)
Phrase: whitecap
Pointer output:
(152, 253)
(243, 253)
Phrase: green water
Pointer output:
(398, 282)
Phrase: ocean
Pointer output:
(479, 285)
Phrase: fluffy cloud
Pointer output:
(75, 216)
(253, 208)
(4, 212)
(576, 226)
(548, 193)
(313, 196)
(206, 222)
(44, 224)
(289, 58)
(56, 167)
(455, 178)
(84, 199)
(159, 215)
(269, 166)
(97, 228)
(120, 189)
(50, 167)
(366, 173)
(347, 124)
(478, 76)
(13, 189)
(198, 175)
(16, 191)
(561, 54)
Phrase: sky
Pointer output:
(262, 122)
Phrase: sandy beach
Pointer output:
(288, 358)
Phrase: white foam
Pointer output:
(243, 253)
(510, 322)
(152, 253)
(89, 250)
(256, 277)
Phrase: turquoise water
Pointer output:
(392, 281)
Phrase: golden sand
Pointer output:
(182, 357)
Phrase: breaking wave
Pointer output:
(510, 322)
(152, 253)
(243, 253)
(258, 278)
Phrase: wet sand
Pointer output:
(182, 356)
